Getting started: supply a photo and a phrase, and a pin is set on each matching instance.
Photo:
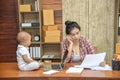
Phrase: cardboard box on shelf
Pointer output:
(51, 39)
(48, 17)
(118, 48)
(51, 33)
(50, 28)
(25, 8)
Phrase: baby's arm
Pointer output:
(26, 59)
(41, 63)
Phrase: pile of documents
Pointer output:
(92, 61)
(74, 70)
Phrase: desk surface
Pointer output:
(10, 70)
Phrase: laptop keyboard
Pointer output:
(56, 66)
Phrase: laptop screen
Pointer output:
(64, 56)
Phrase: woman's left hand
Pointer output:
(102, 64)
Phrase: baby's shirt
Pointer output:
(21, 50)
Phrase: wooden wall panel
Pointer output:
(96, 18)
(58, 16)
(54, 7)
(51, 2)
(8, 30)
(101, 25)
(76, 10)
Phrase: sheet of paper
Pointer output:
(92, 60)
(51, 72)
(106, 67)
(74, 70)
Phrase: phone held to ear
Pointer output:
(69, 38)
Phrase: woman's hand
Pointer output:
(69, 38)
(102, 64)
(70, 46)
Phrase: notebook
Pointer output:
(59, 66)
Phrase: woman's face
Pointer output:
(75, 34)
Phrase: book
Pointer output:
(74, 70)
(30, 24)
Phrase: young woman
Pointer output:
(76, 45)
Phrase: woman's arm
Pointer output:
(89, 47)
(67, 44)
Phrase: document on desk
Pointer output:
(92, 60)
(74, 70)
(50, 72)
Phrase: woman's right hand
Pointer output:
(70, 40)
(70, 46)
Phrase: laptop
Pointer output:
(59, 66)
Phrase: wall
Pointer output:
(96, 18)
(8, 30)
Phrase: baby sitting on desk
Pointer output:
(25, 62)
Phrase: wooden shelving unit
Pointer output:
(32, 13)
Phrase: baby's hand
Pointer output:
(102, 64)
(41, 63)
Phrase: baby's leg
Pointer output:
(31, 66)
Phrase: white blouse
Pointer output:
(76, 58)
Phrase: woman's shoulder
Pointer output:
(64, 39)
(83, 37)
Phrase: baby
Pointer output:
(25, 62)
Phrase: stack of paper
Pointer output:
(93, 60)
(106, 67)
(74, 70)
(51, 72)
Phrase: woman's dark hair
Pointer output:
(70, 25)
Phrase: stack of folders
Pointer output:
(30, 24)
(35, 52)
(74, 70)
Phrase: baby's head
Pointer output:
(24, 38)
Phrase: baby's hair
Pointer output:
(70, 25)
(22, 36)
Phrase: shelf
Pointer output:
(50, 43)
(30, 27)
(30, 12)
(35, 42)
